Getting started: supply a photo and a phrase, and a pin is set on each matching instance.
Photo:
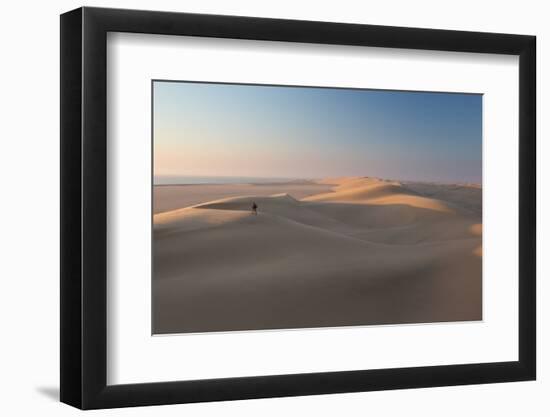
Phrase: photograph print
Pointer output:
(293, 207)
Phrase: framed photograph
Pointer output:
(257, 208)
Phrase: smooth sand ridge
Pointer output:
(172, 197)
(393, 212)
(375, 191)
(345, 259)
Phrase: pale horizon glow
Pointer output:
(236, 130)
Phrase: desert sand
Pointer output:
(338, 252)
(171, 197)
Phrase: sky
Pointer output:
(208, 129)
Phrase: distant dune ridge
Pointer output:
(349, 251)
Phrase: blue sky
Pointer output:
(211, 129)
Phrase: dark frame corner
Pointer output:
(83, 207)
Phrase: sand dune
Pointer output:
(368, 252)
(172, 197)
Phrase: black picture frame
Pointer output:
(84, 207)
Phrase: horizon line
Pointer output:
(480, 183)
